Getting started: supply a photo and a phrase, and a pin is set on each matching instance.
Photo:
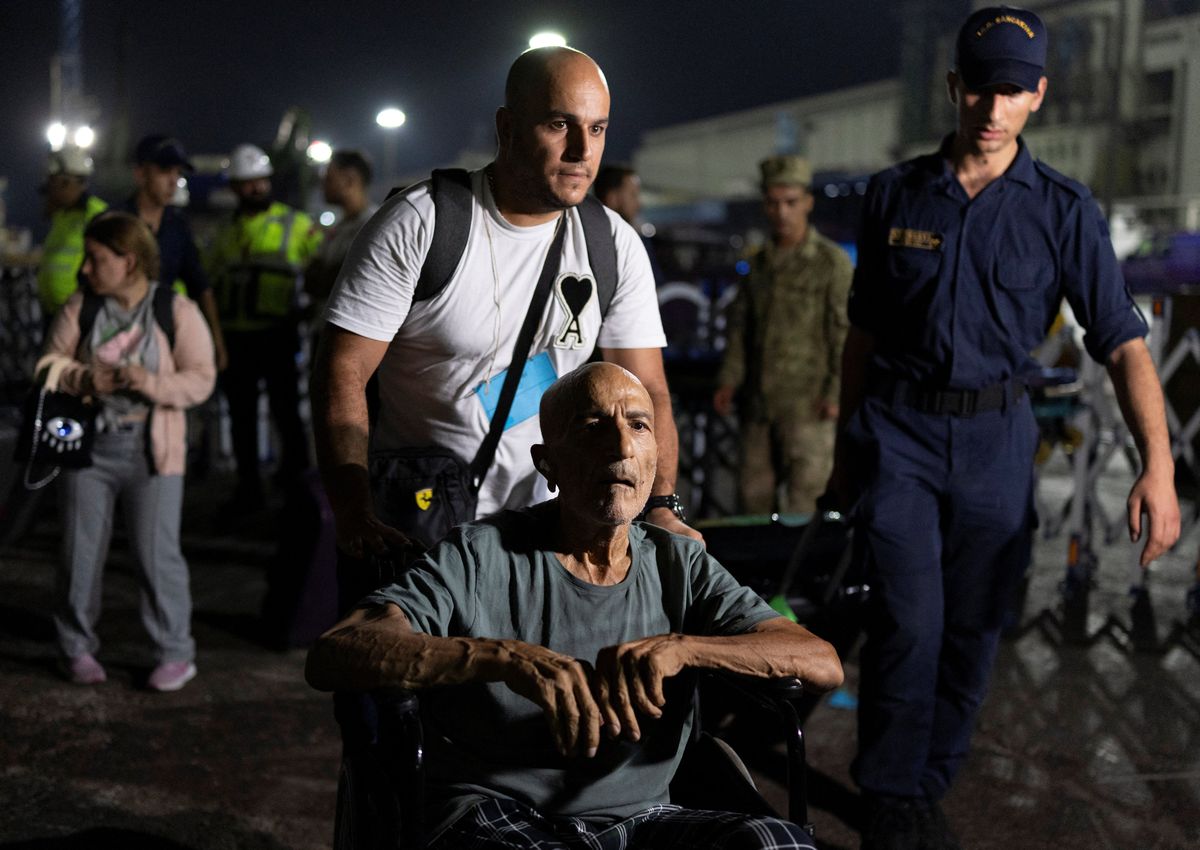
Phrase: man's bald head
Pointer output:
(532, 72)
(577, 392)
(550, 133)
(599, 446)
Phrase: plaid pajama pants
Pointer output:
(508, 824)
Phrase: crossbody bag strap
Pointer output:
(533, 318)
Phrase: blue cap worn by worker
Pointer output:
(163, 151)
(1001, 45)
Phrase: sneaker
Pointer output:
(85, 670)
(171, 676)
(892, 823)
(935, 832)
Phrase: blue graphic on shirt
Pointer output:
(537, 376)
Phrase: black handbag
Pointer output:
(425, 492)
(58, 431)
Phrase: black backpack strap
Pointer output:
(164, 312)
(601, 248)
(533, 318)
(88, 312)
(452, 203)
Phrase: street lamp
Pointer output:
(390, 119)
(319, 151)
(547, 39)
(56, 135)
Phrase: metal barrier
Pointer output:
(1104, 440)
(21, 331)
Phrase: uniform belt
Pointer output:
(949, 402)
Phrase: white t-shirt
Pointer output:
(445, 366)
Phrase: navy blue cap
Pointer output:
(162, 150)
(1001, 45)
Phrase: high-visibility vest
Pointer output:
(62, 253)
(256, 264)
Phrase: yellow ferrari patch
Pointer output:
(424, 498)
(902, 237)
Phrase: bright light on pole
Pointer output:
(56, 135)
(84, 136)
(547, 39)
(390, 118)
(319, 151)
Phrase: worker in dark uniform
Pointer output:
(159, 162)
(964, 258)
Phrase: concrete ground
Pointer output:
(1078, 747)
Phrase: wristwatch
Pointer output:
(672, 503)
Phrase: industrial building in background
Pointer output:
(1125, 116)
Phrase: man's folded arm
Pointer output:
(629, 678)
(774, 648)
(376, 647)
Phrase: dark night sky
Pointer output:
(218, 72)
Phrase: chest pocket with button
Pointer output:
(1024, 294)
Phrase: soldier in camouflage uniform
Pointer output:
(783, 361)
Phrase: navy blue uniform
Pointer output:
(179, 259)
(956, 292)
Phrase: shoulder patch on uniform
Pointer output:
(903, 237)
(1059, 179)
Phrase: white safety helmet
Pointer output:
(249, 162)
(70, 160)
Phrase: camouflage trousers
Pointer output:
(797, 454)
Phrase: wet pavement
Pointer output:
(1078, 746)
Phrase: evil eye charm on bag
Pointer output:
(62, 434)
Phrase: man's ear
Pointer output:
(540, 462)
(1039, 95)
(952, 87)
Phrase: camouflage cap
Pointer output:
(786, 171)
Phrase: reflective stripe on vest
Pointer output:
(260, 279)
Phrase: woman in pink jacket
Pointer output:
(144, 384)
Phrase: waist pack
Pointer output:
(423, 492)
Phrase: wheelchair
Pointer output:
(804, 561)
(381, 782)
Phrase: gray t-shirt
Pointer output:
(498, 578)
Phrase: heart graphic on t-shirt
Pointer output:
(574, 293)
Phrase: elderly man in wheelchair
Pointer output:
(556, 649)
